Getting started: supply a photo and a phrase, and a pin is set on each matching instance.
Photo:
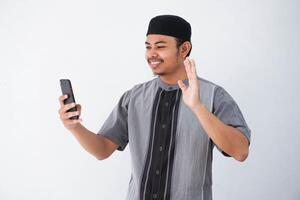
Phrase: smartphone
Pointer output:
(66, 88)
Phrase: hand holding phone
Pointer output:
(66, 89)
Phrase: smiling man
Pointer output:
(171, 123)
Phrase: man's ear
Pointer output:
(185, 48)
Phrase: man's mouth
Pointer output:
(154, 63)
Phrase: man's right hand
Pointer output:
(95, 144)
(65, 116)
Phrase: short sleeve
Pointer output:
(226, 109)
(115, 127)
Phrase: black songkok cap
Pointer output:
(170, 25)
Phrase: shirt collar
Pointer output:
(170, 87)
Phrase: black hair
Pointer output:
(180, 41)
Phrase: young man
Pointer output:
(171, 122)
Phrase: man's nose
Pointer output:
(152, 53)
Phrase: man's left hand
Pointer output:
(191, 94)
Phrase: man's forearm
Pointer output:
(227, 138)
(91, 142)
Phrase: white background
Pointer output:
(251, 48)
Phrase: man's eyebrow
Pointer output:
(163, 42)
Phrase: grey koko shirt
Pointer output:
(171, 153)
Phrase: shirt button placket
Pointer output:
(161, 148)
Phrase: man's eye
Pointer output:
(147, 47)
(160, 47)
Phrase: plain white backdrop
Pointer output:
(251, 48)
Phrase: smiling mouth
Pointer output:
(154, 63)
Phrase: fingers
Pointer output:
(78, 107)
(190, 68)
(64, 114)
(61, 99)
(63, 111)
(66, 107)
(193, 67)
(68, 115)
(182, 85)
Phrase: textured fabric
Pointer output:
(156, 181)
(130, 122)
(170, 25)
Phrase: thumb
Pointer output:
(181, 85)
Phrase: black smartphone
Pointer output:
(66, 88)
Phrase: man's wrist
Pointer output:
(198, 107)
(75, 128)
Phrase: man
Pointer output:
(171, 122)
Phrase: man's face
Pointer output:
(162, 54)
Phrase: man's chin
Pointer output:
(158, 73)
